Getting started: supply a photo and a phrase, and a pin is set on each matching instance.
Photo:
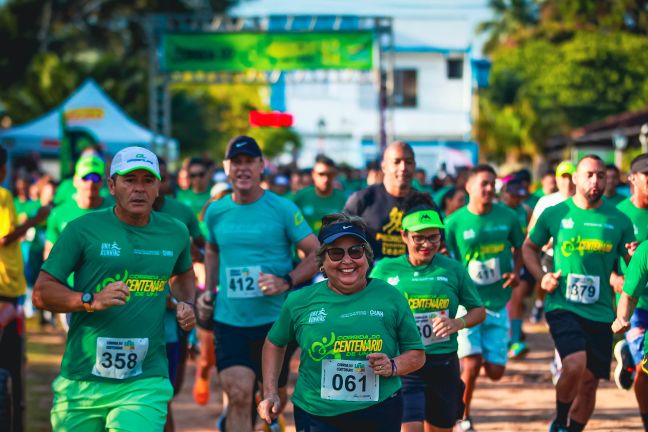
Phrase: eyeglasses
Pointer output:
(93, 177)
(420, 239)
(337, 254)
(197, 174)
(325, 174)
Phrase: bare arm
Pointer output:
(212, 267)
(531, 258)
(20, 230)
(624, 311)
(47, 248)
(305, 270)
(444, 326)
(272, 361)
(183, 286)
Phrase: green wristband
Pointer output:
(463, 321)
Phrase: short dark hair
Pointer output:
(162, 161)
(590, 156)
(198, 161)
(323, 159)
(480, 168)
(3, 156)
(418, 201)
(612, 167)
(549, 172)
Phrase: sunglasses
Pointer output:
(93, 177)
(197, 174)
(420, 239)
(337, 254)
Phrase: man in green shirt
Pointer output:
(485, 237)
(114, 372)
(321, 198)
(613, 178)
(198, 193)
(589, 236)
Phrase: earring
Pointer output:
(321, 269)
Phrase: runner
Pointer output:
(589, 237)
(434, 285)
(252, 234)
(612, 181)
(322, 197)
(634, 293)
(114, 373)
(198, 193)
(485, 237)
(356, 334)
(381, 205)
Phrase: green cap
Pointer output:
(565, 167)
(421, 220)
(89, 164)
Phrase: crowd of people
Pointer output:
(397, 288)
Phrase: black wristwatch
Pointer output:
(288, 280)
(87, 299)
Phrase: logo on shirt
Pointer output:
(299, 218)
(582, 246)
(393, 280)
(567, 223)
(469, 234)
(110, 250)
(316, 317)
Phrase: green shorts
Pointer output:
(137, 405)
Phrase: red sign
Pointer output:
(270, 119)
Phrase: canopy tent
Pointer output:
(91, 109)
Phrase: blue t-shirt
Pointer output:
(252, 238)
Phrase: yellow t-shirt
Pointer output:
(12, 277)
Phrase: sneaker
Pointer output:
(465, 425)
(556, 368)
(517, 350)
(220, 421)
(201, 391)
(537, 313)
(553, 427)
(624, 373)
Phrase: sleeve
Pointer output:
(210, 223)
(451, 241)
(192, 225)
(296, 226)
(377, 272)
(636, 277)
(66, 254)
(408, 334)
(468, 294)
(52, 233)
(540, 234)
(516, 235)
(283, 330)
(184, 262)
(627, 236)
(353, 205)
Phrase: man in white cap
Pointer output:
(114, 374)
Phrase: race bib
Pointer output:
(485, 272)
(243, 282)
(120, 358)
(424, 324)
(582, 288)
(349, 380)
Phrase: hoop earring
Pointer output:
(321, 269)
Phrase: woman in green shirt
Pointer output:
(356, 334)
(434, 286)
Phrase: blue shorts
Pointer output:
(173, 356)
(636, 335)
(489, 339)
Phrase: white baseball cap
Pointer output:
(134, 158)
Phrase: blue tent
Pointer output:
(89, 108)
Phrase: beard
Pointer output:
(593, 197)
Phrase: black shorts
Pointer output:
(434, 393)
(242, 346)
(573, 333)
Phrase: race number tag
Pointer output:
(582, 288)
(120, 358)
(348, 380)
(424, 324)
(485, 272)
(243, 282)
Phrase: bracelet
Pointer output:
(394, 368)
(463, 321)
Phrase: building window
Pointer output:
(455, 68)
(405, 92)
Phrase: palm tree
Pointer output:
(511, 17)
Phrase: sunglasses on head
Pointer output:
(197, 174)
(337, 253)
(93, 177)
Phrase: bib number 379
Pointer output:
(582, 288)
(348, 380)
(120, 358)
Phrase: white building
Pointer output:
(435, 49)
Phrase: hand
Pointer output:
(444, 326)
(268, 408)
(550, 281)
(205, 307)
(512, 279)
(631, 247)
(616, 282)
(113, 294)
(620, 325)
(380, 363)
(270, 284)
(185, 316)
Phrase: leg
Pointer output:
(641, 390)
(585, 401)
(238, 384)
(493, 371)
(12, 346)
(470, 367)
(573, 369)
(495, 337)
(206, 360)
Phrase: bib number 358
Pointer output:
(348, 380)
(120, 358)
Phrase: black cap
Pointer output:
(332, 232)
(515, 187)
(242, 144)
(640, 164)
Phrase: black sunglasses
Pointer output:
(197, 174)
(93, 177)
(337, 253)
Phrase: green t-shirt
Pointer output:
(533, 199)
(336, 332)
(25, 209)
(122, 342)
(482, 243)
(195, 201)
(314, 207)
(636, 280)
(66, 191)
(615, 199)
(639, 219)
(65, 213)
(431, 289)
(587, 243)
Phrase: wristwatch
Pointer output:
(288, 280)
(87, 299)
